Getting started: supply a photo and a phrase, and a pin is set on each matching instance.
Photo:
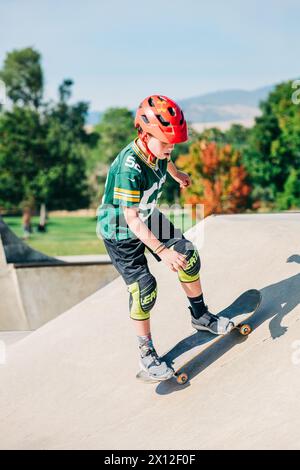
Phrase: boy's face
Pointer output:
(160, 149)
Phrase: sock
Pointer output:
(145, 342)
(198, 307)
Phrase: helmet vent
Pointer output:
(151, 102)
(172, 111)
(182, 118)
(162, 120)
(145, 119)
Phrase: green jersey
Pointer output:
(131, 181)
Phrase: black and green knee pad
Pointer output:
(191, 273)
(142, 297)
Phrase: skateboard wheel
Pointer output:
(182, 378)
(245, 330)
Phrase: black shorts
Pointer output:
(128, 256)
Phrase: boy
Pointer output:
(129, 222)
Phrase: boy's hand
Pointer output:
(183, 179)
(173, 259)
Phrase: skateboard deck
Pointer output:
(178, 358)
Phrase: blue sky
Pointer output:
(118, 52)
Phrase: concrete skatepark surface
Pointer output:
(71, 384)
(36, 288)
(16, 251)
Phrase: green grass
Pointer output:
(67, 235)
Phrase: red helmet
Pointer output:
(162, 118)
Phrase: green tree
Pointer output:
(274, 145)
(23, 154)
(290, 197)
(23, 76)
(213, 134)
(115, 131)
(43, 152)
(237, 136)
(68, 147)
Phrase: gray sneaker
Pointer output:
(212, 323)
(153, 366)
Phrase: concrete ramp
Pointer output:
(71, 384)
(16, 251)
(35, 288)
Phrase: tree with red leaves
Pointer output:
(219, 180)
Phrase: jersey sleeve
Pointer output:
(127, 189)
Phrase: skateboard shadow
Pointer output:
(278, 300)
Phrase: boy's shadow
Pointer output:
(277, 301)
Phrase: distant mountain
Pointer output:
(229, 97)
(225, 106)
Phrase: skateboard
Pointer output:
(179, 357)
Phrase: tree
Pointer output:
(237, 136)
(114, 132)
(274, 145)
(23, 154)
(290, 197)
(43, 154)
(219, 180)
(23, 76)
(212, 134)
(67, 145)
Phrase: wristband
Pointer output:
(161, 248)
(158, 247)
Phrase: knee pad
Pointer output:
(142, 297)
(191, 273)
